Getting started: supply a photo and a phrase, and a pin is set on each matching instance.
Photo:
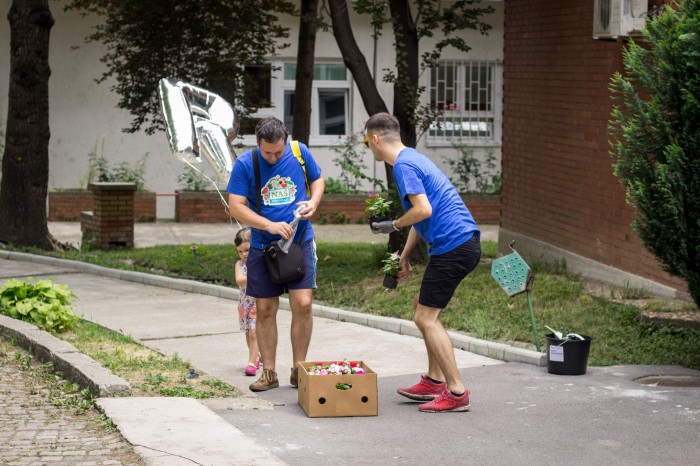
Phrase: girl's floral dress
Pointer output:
(246, 306)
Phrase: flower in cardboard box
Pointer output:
(336, 368)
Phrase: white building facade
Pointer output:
(466, 87)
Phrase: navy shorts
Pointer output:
(259, 284)
(446, 271)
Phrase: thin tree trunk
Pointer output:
(406, 85)
(25, 163)
(356, 62)
(305, 70)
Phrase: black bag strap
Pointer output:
(258, 196)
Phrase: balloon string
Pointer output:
(223, 201)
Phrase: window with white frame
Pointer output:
(330, 101)
(465, 96)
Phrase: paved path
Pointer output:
(34, 431)
(520, 413)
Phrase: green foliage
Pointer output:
(425, 20)
(203, 43)
(391, 264)
(99, 169)
(192, 179)
(42, 303)
(655, 139)
(377, 205)
(350, 162)
(473, 175)
(334, 186)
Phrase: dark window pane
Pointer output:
(258, 85)
(289, 110)
(332, 111)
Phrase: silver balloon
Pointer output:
(178, 119)
(211, 125)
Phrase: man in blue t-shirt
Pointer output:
(438, 216)
(282, 191)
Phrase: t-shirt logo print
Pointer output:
(278, 191)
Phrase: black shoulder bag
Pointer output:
(283, 267)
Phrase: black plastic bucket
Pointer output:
(567, 357)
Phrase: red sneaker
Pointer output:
(425, 390)
(447, 403)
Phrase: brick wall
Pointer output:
(66, 205)
(111, 222)
(206, 207)
(201, 207)
(558, 184)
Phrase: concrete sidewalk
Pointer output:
(520, 413)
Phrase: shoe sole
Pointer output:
(417, 397)
(264, 389)
(459, 409)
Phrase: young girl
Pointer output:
(246, 304)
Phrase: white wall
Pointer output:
(82, 111)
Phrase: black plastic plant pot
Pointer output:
(569, 356)
(390, 282)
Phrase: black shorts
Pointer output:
(446, 271)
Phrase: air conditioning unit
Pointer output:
(614, 19)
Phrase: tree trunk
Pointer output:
(25, 164)
(374, 103)
(406, 85)
(305, 70)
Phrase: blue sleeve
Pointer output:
(313, 171)
(241, 176)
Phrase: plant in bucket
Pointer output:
(567, 354)
(391, 270)
(377, 208)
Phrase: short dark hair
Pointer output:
(271, 129)
(242, 236)
(383, 123)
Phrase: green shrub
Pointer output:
(42, 303)
(473, 175)
(99, 169)
(192, 179)
(655, 139)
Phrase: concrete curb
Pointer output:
(64, 356)
(73, 365)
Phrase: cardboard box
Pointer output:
(319, 397)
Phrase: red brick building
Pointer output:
(560, 199)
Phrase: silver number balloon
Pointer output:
(200, 124)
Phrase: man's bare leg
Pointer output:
(266, 329)
(441, 354)
(302, 323)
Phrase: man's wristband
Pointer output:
(393, 224)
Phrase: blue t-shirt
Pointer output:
(451, 223)
(282, 186)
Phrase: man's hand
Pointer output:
(280, 228)
(387, 226)
(405, 268)
(308, 208)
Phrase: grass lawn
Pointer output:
(349, 278)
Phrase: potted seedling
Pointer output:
(377, 208)
(391, 270)
(567, 354)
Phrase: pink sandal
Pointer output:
(250, 370)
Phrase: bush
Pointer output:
(99, 169)
(192, 179)
(42, 303)
(655, 139)
(473, 175)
